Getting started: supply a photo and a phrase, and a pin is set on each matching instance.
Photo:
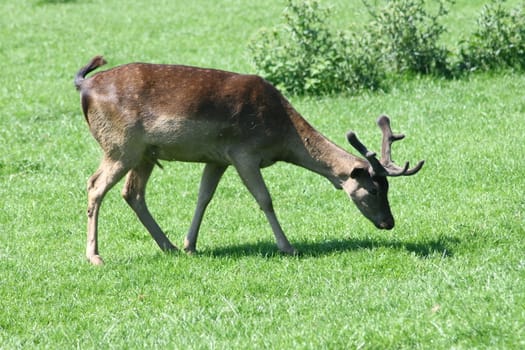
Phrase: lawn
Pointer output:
(450, 275)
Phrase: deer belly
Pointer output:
(195, 154)
(208, 141)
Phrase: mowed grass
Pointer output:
(450, 275)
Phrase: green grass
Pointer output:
(451, 275)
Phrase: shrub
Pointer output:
(407, 36)
(499, 41)
(304, 56)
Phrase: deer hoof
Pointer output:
(170, 248)
(189, 247)
(190, 250)
(291, 251)
(96, 260)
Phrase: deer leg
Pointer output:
(134, 192)
(210, 179)
(107, 175)
(251, 176)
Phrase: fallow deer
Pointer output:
(141, 113)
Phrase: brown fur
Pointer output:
(141, 113)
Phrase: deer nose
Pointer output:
(386, 225)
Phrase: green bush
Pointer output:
(407, 36)
(499, 41)
(304, 56)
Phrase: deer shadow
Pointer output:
(55, 2)
(443, 246)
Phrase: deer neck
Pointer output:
(313, 151)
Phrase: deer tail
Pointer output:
(95, 62)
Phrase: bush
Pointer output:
(304, 56)
(407, 36)
(499, 41)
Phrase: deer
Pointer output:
(144, 113)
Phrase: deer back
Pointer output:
(187, 113)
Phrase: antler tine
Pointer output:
(354, 141)
(386, 151)
(388, 139)
(375, 165)
(415, 169)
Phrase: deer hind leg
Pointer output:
(107, 175)
(251, 176)
(210, 179)
(134, 192)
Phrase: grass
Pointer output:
(451, 275)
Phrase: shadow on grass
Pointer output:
(443, 246)
(55, 2)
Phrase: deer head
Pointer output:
(369, 190)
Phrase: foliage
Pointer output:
(498, 42)
(407, 36)
(304, 56)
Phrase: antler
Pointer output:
(385, 166)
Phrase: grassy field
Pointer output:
(450, 275)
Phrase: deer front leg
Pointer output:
(107, 175)
(251, 176)
(211, 176)
(134, 192)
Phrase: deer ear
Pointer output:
(359, 172)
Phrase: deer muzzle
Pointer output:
(386, 224)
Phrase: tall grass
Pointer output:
(449, 276)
